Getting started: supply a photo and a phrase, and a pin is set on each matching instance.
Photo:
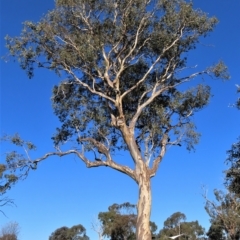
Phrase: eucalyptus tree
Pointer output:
(238, 100)
(7, 179)
(224, 214)
(233, 173)
(125, 82)
(10, 231)
(176, 225)
(216, 230)
(76, 232)
(119, 222)
(172, 225)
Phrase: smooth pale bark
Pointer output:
(143, 178)
(143, 231)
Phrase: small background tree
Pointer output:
(119, 222)
(7, 179)
(225, 214)
(76, 232)
(10, 231)
(233, 173)
(176, 225)
(216, 230)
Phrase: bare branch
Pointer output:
(107, 67)
(157, 161)
(98, 228)
(89, 164)
(88, 87)
(6, 202)
(227, 210)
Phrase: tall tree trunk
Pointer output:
(143, 231)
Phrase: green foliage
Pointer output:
(77, 232)
(233, 173)
(6, 179)
(225, 221)
(220, 71)
(176, 224)
(238, 100)
(8, 237)
(10, 231)
(174, 220)
(144, 56)
(193, 229)
(119, 223)
(225, 214)
(14, 159)
(15, 165)
(216, 231)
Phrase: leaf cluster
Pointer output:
(233, 173)
(116, 224)
(238, 100)
(176, 224)
(224, 214)
(216, 230)
(10, 231)
(76, 232)
(121, 58)
(15, 163)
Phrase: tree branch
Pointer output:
(89, 164)
(153, 65)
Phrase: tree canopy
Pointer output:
(126, 83)
(238, 100)
(7, 179)
(233, 173)
(224, 214)
(10, 231)
(77, 232)
(119, 222)
(216, 230)
(176, 225)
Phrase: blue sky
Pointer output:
(63, 192)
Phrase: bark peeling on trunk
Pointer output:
(144, 204)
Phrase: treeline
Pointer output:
(119, 223)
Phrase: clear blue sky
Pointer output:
(63, 192)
